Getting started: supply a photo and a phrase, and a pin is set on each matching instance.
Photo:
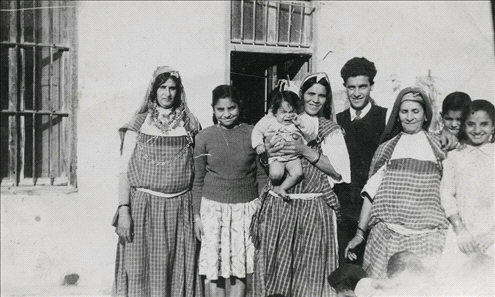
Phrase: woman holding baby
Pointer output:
(295, 233)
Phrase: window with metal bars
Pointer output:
(271, 22)
(37, 93)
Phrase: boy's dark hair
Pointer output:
(457, 101)
(346, 277)
(358, 66)
(402, 261)
(290, 97)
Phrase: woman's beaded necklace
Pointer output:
(165, 123)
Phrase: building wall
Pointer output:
(47, 234)
(453, 40)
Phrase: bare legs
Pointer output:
(293, 176)
(237, 287)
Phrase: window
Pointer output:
(272, 23)
(269, 40)
(37, 93)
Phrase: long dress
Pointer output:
(467, 189)
(160, 261)
(406, 213)
(296, 241)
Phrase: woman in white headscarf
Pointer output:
(402, 204)
(156, 254)
(296, 240)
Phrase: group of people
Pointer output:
(191, 208)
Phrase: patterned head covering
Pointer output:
(288, 85)
(328, 109)
(394, 126)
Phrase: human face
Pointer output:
(452, 121)
(165, 94)
(412, 116)
(314, 99)
(226, 112)
(285, 114)
(358, 90)
(479, 127)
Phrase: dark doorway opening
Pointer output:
(255, 75)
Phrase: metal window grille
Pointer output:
(36, 89)
(271, 23)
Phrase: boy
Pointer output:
(363, 123)
(455, 109)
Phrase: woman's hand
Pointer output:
(124, 225)
(198, 227)
(466, 242)
(295, 147)
(357, 240)
(484, 241)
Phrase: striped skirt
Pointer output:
(297, 248)
(160, 261)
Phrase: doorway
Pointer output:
(255, 75)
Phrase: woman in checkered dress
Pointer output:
(296, 239)
(402, 205)
(157, 248)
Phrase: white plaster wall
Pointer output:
(405, 39)
(120, 45)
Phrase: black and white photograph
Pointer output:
(247, 148)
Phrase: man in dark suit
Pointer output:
(363, 122)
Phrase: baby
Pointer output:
(283, 123)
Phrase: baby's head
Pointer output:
(455, 109)
(285, 105)
(345, 278)
(404, 262)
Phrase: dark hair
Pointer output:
(356, 67)
(161, 79)
(225, 91)
(402, 261)
(457, 101)
(486, 106)
(346, 277)
(327, 107)
(290, 97)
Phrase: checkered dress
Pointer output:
(160, 261)
(409, 196)
(296, 241)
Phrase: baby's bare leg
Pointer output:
(277, 171)
(294, 174)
